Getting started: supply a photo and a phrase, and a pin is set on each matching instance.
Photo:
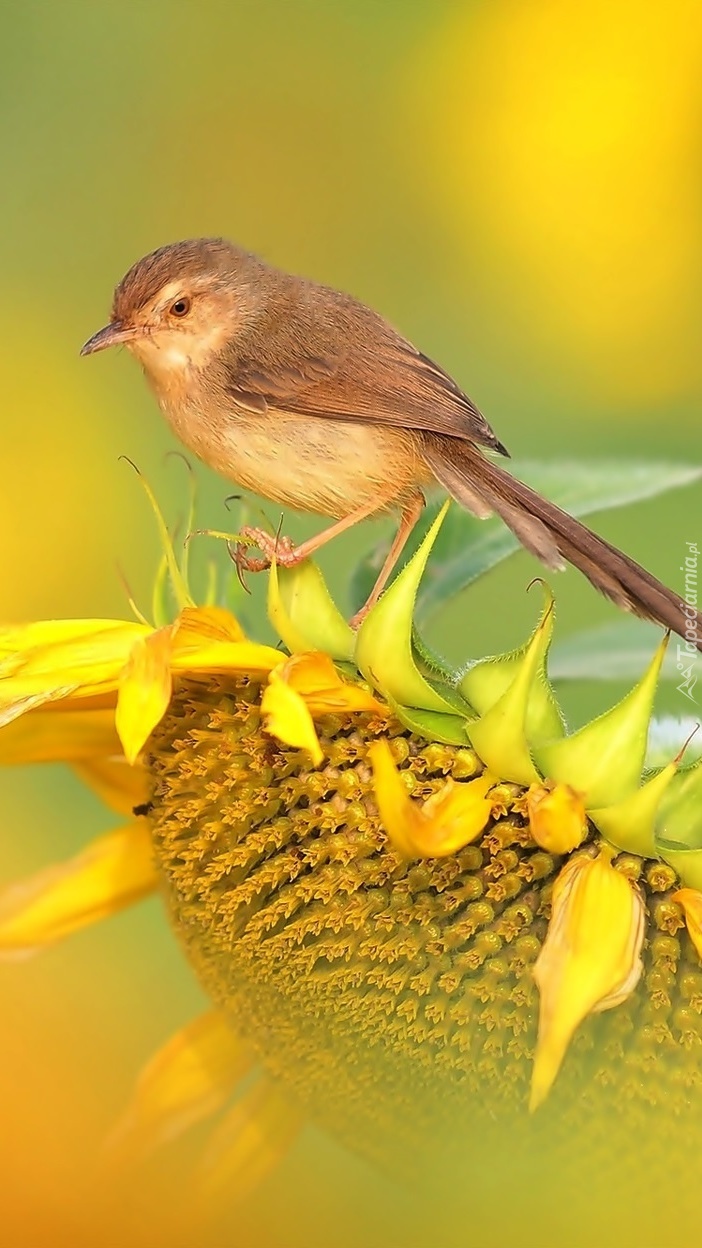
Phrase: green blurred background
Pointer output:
(517, 186)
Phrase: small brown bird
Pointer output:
(306, 396)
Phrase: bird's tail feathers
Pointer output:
(554, 536)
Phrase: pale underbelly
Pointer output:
(309, 464)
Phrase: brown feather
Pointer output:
(554, 536)
(314, 351)
(310, 398)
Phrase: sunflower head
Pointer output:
(426, 914)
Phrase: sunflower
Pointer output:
(428, 917)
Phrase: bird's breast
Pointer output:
(307, 463)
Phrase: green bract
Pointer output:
(506, 708)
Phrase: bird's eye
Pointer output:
(181, 307)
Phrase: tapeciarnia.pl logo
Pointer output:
(688, 654)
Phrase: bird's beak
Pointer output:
(112, 335)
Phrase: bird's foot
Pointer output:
(280, 549)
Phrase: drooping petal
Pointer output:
(198, 625)
(455, 816)
(286, 717)
(250, 1142)
(188, 1079)
(120, 785)
(109, 874)
(316, 679)
(48, 736)
(226, 656)
(691, 901)
(75, 659)
(557, 819)
(445, 823)
(20, 639)
(145, 688)
(590, 960)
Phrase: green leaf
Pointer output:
(616, 651)
(467, 548)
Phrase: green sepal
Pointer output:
(302, 612)
(630, 825)
(431, 664)
(384, 652)
(178, 582)
(687, 863)
(485, 682)
(500, 736)
(604, 760)
(434, 726)
(679, 824)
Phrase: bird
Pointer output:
(306, 396)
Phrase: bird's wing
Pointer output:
(353, 367)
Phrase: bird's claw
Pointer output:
(280, 549)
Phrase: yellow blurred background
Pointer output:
(517, 186)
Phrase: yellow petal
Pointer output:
(119, 784)
(74, 659)
(315, 678)
(557, 818)
(445, 823)
(250, 1142)
(455, 816)
(47, 736)
(145, 688)
(286, 717)
(226, 656)
(691, 901)
(590, 960)
(22, 638)
(110, 873)
(196, 625)
(188, 1079)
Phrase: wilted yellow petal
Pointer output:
(18, 639)
(691, 901)
(119, 784)
(590, 960)
(557, 819)
(250, 1142)
(145, 688)
(196, 625)
(315, 678)
(399, 815)
(286, 717)
(226, 656)
(448, 820)
(455, 816)
(110, 873)
(75, 659)
(45, 736)
(188, 1079)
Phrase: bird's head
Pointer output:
(179, 306)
